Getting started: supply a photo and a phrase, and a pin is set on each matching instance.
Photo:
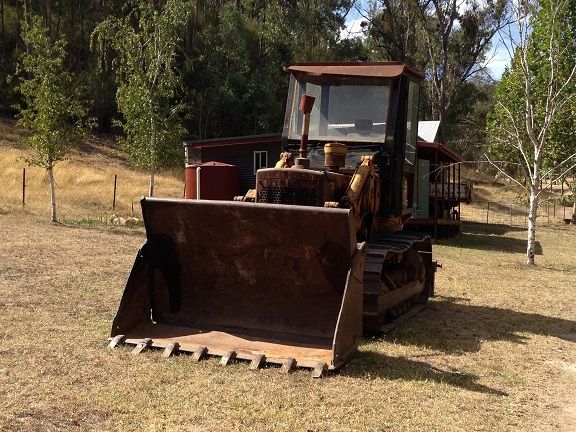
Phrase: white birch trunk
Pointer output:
(53, 215)
(151, 185)
(532, 214)
(152, 156)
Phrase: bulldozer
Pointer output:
(296, 270)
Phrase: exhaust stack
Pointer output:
(306, 104)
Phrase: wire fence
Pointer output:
(514, 214)
(93, 198)
(97, 198)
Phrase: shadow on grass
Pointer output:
(450, 326)
(457, 328)
(368, 363)
(490, 238)
(482, 228)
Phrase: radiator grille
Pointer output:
(294, 196)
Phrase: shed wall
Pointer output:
(242, 156)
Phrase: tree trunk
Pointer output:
(151, 186)
(48, 15)
(57, 32)
(53, 215)
(574, 214)
(2, 13)
(153, 152)
(532, 214)
(442, 117)
(27, 19)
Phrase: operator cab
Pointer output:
(371, 107)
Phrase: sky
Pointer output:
(497, 59)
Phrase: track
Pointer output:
(398, 279)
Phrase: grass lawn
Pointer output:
(495, 350)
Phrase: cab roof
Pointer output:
(356, 69)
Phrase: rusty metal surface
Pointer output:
(257, 279)
(218, 343)
(384, 299)
(360, 69)
(291, 186)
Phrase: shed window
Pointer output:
(260, 160)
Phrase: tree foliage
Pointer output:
(530, 124)
(239, 88)
(54, 111)
(143, 44)
(545, 69)
(229, 55)
(447, 39)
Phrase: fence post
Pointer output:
(114, 197)
(487, 212)
(23, 187)
(548, 211)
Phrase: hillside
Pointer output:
(85, 182)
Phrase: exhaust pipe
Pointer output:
(306, 104)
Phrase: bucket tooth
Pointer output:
(227, 358)
(257, 362)
(171, 348)
(288, 365)
(142, 346)
(199, 353)
(116, 340)
(319, 370)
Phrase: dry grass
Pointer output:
(506, 203)
(85, 182)
(495, 350)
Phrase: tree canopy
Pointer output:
(53, 109)
(530, 124)
(448, 39)
(143, 44)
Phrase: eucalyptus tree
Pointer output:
(530, 126)
(143, 44)
(235, 52)
(54, 111)
(448, 39)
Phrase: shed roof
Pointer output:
(234, 141)
(360, 69)
(212, 163)
(427, 150)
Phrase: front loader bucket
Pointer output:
(261, 282)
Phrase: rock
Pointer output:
(120, 221)
(117, 220)
(132, 221)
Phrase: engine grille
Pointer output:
(288, 195)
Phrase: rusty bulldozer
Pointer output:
(294, 272)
